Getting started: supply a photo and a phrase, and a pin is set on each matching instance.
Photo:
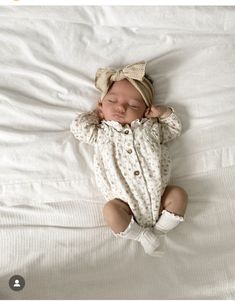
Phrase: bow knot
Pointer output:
(135, 71)
(118, 75)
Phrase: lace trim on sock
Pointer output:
(123, 233)
(171, 214)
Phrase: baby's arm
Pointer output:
(85, 127)
(170, 127)
(170, 124)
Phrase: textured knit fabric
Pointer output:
(148, 239)
(132, 162)
(168, 221)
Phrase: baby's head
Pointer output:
(126, 93)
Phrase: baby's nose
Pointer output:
(121, 108)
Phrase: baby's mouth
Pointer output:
(118, 115)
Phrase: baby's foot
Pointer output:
(161, 236)
(150, 242)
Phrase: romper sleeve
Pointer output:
(85, 127)
(170, 127)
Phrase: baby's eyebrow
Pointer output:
(135, 99)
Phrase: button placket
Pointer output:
(138, 181)
(127, 132)
(134, 158)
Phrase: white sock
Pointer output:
(149, 241)
(168, 221)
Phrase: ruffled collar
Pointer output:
(119, 127)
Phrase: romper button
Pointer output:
(129, 151)
(136, 173)
(126, 132)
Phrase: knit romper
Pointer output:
(131, 162)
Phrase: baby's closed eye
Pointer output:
(134, 107)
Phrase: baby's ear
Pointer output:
(99, 110)
(147, 111)
(99, 104)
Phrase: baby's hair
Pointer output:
(149, 78)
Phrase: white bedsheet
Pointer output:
(51, 227)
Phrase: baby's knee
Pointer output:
(111, 208)
(182, 194)
(175, 196)
(115, 209)
(181, 197)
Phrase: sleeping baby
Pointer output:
(132, 163)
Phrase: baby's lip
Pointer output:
(118, 115)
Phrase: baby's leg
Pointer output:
(117, 215)
(173, 207)
(174, 200)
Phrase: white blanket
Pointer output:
(51, 227)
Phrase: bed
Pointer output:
(52, 232)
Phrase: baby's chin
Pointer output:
(121, 120)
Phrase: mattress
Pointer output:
(52, 231)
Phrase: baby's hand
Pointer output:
(158, 111)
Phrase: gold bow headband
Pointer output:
(133, 73)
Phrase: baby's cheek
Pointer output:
(141, 114)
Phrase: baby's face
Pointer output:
(123, 103)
